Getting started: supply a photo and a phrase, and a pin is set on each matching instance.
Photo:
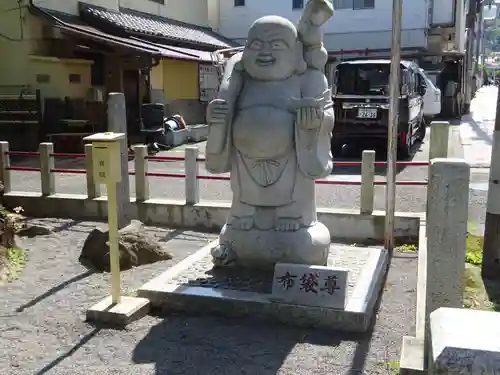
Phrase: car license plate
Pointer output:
(367, 113)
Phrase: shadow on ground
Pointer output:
(180, 345)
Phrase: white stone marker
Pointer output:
(310, 285)
(117, 123)
(447, 211)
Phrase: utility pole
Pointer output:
(469, 53)
(392, 136)
(480, 22)
(491, 247)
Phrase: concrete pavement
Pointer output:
(476, 133)
(476, 128)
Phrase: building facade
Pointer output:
(356, 24)
(66, 56)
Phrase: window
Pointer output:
(158, 1)
(42, 78)
(354, 4)
(343, 4)
(75, 78)
(239, 3)
(297, 4)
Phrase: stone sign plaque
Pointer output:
(310, 285)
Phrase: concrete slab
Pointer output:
(192, 286)
(128, 310)
(412, 360)
(465, 341)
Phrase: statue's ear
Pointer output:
(301, 65)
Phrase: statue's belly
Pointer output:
(263, 132)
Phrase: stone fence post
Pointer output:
(440, 133)
(93, 189)
(447, 205)
(367, 182)
(141, 169)
(46, 166)
(191, 167)
(4, 165)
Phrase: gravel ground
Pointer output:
(42, 330)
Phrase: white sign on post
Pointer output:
(107, 170)
(106, 158)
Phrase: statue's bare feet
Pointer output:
(223, 256)
(286, 224)
(243, 222)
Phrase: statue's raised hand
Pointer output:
(309, 117)
(217, 112)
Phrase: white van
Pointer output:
(431, 97)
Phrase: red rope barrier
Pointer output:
(23, 169)
(164, 158)
(23, 153)
(358, 163)
(69, 156)
(69, 171)
(214, 178)
(159, 174)
(334, 182)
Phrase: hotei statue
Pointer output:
(271, 128)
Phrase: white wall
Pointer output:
(348, 29)
(191, 11)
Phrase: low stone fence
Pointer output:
(344, 225)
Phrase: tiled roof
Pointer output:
(73, 24)
(161, 27)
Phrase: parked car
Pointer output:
(361, 101)
(431, 96)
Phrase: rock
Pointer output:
(20, 223)
(136, 248)
(33, 230)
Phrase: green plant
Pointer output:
(406, 248)
(474, 249)
(391, 367)
(16, 259)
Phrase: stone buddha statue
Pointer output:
(270, 127)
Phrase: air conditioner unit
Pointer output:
(50, 32)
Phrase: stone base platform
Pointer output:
(192, 286)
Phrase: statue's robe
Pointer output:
(272, 159)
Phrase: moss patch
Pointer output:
(474, 254)
(16, 259)
(477, 294)
(406, 248)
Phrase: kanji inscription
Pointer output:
(310, 285)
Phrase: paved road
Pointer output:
(409, 198)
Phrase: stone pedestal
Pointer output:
(265, 248)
